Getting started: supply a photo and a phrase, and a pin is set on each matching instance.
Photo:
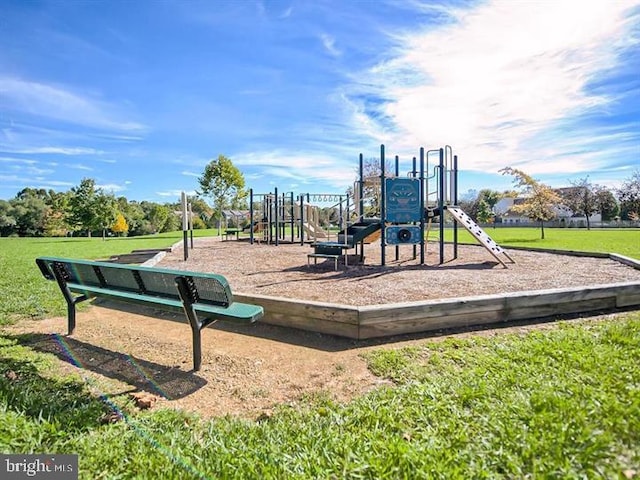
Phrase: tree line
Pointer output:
(88, 210)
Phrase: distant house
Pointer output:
(564, 216)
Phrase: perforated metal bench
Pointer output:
(197, 294)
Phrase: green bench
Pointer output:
(203, 297)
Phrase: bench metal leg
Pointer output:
(197, 348)
(71, 317)
(192, 316)
(69, 298)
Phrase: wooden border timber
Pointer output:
(413, 317)
(372, 321)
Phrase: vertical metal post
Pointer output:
(361, 188)
(383, 211)
(292, 207)
(454, 195)
(414, 175)
(302, 219)
(441, 194)
(185, 226)
(397, 171)
(191, 224)
(251, 216)
(422, 204)
(276, 216)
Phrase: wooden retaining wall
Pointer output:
(394, 319)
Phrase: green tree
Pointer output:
(485, 213)
(106, 211)
(607, 204)
(29, 212)
(581, 199)
(55, 222)
(158, 216)
(629, 196)
(540, 201)
(133, 214)
(83, 206)
(200, 210)
(7, 220)
(223, 182)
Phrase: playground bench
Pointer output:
(196, 294)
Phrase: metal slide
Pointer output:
(485, 240)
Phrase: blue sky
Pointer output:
(141, 95)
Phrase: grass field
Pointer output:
(558, 402)
(622, 241)
(31, 296)
(563, 402)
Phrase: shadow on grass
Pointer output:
(63, 401)
(168, 382)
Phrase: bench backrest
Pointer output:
(208, 288)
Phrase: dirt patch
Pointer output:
(247, 370)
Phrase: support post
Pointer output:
(194, 323)
(383, 211)
(397, 172)
(361, 189)
(185, 226)
(276, 215)
(422, 203)
(302, 219)
(454, 196)
(191, 224)
(251, 216)
(414, 175)
(441, 194)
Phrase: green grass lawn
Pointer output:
(31, 296)
(562, 402)
(622, 241)
(559, 402)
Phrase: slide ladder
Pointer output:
(485, 240)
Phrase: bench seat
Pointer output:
(236, 311)
(194, 293)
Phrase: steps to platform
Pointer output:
(347, 239)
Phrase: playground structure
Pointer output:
(288, 218)
(407, 207)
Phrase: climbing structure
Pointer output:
(407, 206)
(485, 240)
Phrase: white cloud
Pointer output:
(78, 166)
(53, 150)
(329, 43)
(304, 168)
(62, 104)
(24, 161)
(190, 174)
(176, 194)
(111, 187)
(495, 80)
